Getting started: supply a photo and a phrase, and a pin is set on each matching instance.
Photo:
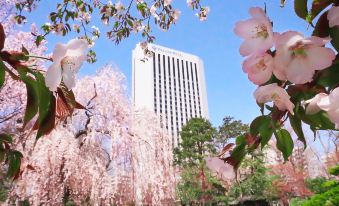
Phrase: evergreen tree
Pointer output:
(254, 181)
(230, 128)
(197, 185)
(197, 141)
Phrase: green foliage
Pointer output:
(197, 185)
(296, 201)
(316, 184)
(300, 8)
(197, 141)
(297, 127)
(230, 128)
(262, 127)
(334, 170)
(2, 73)
(255, 182)
(318, 6)
(190, 189)
(4, 186)
(328, 198)
(327, 191)
(284, 142)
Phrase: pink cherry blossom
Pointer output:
(313, 104)
(328, 103)
(190, 3)
(176, 13)
(203, 13)
(167, 2)
(257, 32)
(67, 60)
(109, 160)
(297, 57)
(223, 171)
(119, 6)
(259, 68)
(272, 92)
(13, 93)
(333, 16)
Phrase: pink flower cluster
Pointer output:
(115, 160)
(325, 102)
(296, 58)
(13, 92)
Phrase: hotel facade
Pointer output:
(170, 83)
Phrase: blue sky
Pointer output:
(229, 91)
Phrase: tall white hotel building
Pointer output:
(170, 83)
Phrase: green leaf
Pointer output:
(318, 6)
(32, 105)
(2, 37)
(322, 28)
(301, 92)
(240, 140)
(2, 73)
(297, 127)
(284, 142)
(237, 155)
(334, 34)
(2, 153)
(45, 96)
(141, 6)
(318, 121)
(329, 77)
(300, 8)
(5, 138)
(39, 39)
(24, 50)
(48, 122)
(14, 162)
(262, 126)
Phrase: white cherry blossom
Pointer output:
(67, 60)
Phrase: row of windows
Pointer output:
(189, 86)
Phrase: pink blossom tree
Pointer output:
(107, 154)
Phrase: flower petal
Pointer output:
(255, 45)
(299, 71)
(333, 16)
(246, 29)
(259, 68)
(68, 76)
(76, 47)
(312, 106)
(59, 52)
(324, 103)
(320, 57)
(287, 39)
(258, 12)
(334, 117)
(53, 76)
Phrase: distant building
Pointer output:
(172, 84)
